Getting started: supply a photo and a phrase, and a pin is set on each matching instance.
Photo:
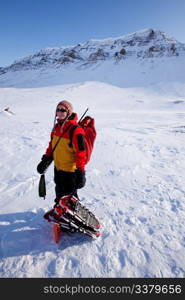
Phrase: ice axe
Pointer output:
(42, 186)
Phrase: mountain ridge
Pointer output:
(145, 43)
(143, 58)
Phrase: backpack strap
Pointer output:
(71, 132)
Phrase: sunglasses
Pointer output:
(61, 110)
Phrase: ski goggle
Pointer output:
(61, 110)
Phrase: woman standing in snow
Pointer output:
(69, 159)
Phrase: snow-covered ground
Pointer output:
(135, 183)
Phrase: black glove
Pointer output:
(45, 162)
(80, 178)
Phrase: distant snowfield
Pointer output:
(135, 183)
(130, 72)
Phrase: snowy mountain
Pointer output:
(135, 179)
(135, 58)
(143, 44)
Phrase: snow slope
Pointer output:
(135, 182)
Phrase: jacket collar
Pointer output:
(71, 120)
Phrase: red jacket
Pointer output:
(68, 158)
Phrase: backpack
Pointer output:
(90, 135)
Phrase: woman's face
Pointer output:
(61, 112)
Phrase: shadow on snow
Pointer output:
(27, 233)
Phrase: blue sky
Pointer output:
(27, 26)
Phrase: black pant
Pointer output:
(65, 183)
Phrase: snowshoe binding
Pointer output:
(70, 215)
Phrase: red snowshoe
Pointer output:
(70, 215)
